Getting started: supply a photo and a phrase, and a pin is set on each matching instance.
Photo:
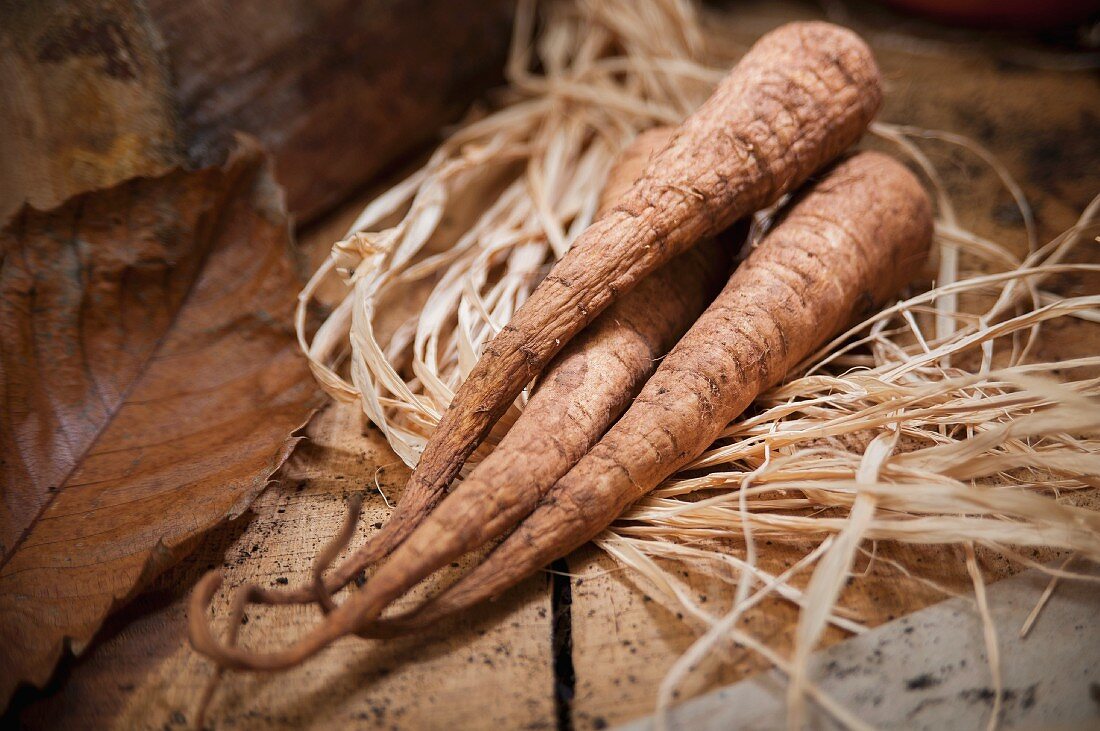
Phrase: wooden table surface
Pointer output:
(586, 651)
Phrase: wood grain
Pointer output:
(492, 669)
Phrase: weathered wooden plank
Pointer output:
(625, 643)
(492, 668)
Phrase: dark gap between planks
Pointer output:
(561, 643)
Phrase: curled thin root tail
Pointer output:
(200, 600)
(377, 547)
(240, 603)
(228, 656)
(329, 554)
(198, 628)
(331, 551)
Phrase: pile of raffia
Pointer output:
(928, 423)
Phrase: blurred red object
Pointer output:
(1020, 14)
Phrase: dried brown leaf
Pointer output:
(150, 386)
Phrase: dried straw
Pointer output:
(928, 423)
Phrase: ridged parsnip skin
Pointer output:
(803, 94)
(840, 252)
(583, 390)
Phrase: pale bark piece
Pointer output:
(930, 669)
(96, 92)
(490, 670)
(151, 384)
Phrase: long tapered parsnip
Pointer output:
(840, 252)
(799, 97)
(842, 249)
(804, 93)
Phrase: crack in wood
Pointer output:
(561, 643)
